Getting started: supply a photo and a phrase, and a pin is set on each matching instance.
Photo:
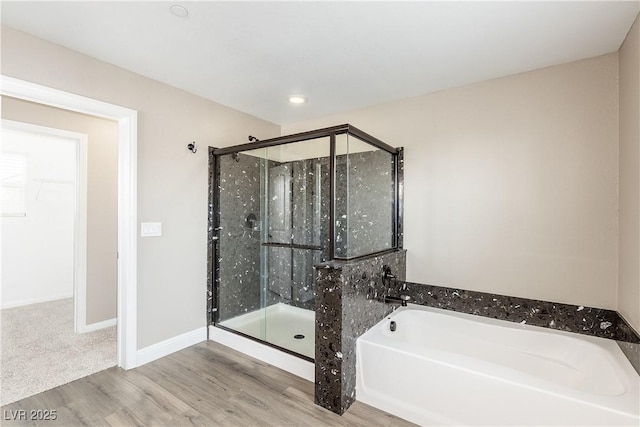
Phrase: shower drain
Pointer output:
(298, 336)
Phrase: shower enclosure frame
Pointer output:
(330, 132)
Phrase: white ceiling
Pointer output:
(341, 55)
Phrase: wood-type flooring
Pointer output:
(207, 384)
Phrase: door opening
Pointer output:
(127, 196)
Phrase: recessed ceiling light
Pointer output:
(179, 11)
(297, 99)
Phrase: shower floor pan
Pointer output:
(279, 324)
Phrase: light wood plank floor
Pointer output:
(204, 385)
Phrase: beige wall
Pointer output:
(172, 182)
(510, 184)
(629, 220)
(102, 196)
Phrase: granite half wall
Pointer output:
(348, 303)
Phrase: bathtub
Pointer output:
(445, 368)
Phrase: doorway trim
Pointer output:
(127, 195)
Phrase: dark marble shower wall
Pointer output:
(239, 253)
(309, 228)
(347, 304)
(364, 221)
(240, 245)
(309, 200)
(364, 203)
(310, 222)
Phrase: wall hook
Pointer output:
(192, 147)
(253, 138)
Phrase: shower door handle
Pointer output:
(292, 246)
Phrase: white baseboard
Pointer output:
(267, 354)
(97, 326)
(166, 347)
(20, 303)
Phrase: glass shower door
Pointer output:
(281, 209)
(274, 210)
(239, 300)
(279, 226)
(292, 241)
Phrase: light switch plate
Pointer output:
(150, 229)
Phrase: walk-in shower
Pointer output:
(278, 208)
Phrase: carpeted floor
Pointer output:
(39, 349)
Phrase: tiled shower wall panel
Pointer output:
(347, 305)
(364, 203)
(240, 246)
(310, 203)
(239, 254)
(310, 220)
(309, 210)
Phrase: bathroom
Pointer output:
(307, 260)
(519, 191)
(503, 212)
(520, 232)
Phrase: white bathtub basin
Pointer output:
(446, 368)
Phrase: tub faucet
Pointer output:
(402, 300)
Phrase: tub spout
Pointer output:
(402, 300)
